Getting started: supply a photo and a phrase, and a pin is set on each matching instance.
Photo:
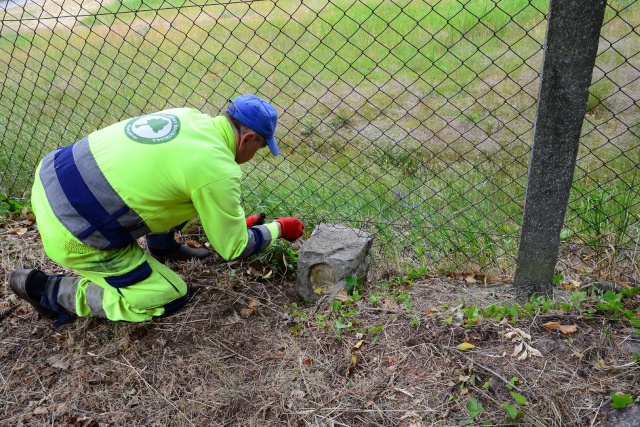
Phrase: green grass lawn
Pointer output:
(410, 119)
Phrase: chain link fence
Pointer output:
(412, 120)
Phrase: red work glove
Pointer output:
(292, 228)
(255, 219)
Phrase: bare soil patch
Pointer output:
(216, 363)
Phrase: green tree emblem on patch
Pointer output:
(153, 128)
(156, 124)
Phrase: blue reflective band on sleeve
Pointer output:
(138, 274)
(259, 240)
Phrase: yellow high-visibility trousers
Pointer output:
(118, 284)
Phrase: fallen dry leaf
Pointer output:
(565, 329)
(193, 244)
(246, 312)
(570, 285)
(40, 410)
(465, 346)
(57, 361)
(253, 303)
(518, 349)
(252, 271)
(352, 367)
(470, 279)
(342, 296)
(17, 231)
(568, 329)
(533, 351)
(358, 344)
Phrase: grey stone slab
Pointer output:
(627, 417)
(331, 254)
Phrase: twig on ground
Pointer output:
(228, 349)
(491, 371)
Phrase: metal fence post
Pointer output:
(571, 45)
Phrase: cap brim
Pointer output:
(271, 142)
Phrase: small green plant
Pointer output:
(341, 324)
(475, 409)
(416, 272)
(404, 298)
(472, 316)
(293, 311)
(498, 313)
(355, 286)
(9, 206)
(513, 411)
(281, 256)
(375, 329)
(342, 317)
(297, 316)
(621, 401)
(513, 381)
(375, 299)
(612, 303)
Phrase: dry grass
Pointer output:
(209, 365)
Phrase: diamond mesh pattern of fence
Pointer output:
(409, 119)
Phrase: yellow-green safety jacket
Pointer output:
(151, 174)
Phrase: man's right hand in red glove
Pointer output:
(292, 228)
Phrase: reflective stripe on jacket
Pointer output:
(84, 201)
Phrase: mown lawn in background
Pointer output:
(412, 120)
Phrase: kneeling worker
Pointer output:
(147, 176)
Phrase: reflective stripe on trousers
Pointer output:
(93, 294)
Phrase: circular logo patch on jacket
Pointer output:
(153, 128)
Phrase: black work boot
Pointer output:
(29, 284)
(180, 253)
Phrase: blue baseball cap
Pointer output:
(259, 115)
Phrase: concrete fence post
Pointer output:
(571, 45)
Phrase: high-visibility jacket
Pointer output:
(151, 174)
